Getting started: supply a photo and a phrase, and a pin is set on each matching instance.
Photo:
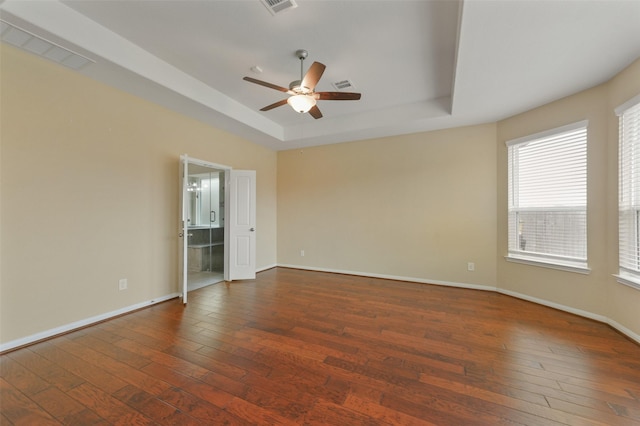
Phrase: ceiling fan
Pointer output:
(303, 97)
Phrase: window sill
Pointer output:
(559, 266)
(628, 281)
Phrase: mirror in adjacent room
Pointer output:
(206, 198)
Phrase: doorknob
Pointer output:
(252, 229)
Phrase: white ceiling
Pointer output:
(420, 65)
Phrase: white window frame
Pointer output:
(627, 275)
(515, 254)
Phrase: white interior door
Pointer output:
(242, 225)
(203, 242)
(184, 232)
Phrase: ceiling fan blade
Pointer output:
(338, 96)
(265, 84)
(315, 112)
(313, 75)
(274, 105)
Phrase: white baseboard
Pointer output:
(554, 305)
(600, 318)
(624, 330)
(394, 277)
(82, 323)
(586, 314)
(264, 268)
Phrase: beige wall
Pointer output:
(90, 195)
(418, 206)
(596, 293)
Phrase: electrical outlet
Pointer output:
(302, 253)
(122, 284)
(471, 266)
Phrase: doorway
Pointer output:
(205, 224)
(214, 248)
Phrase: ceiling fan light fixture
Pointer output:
(304, 96)
(301, 103)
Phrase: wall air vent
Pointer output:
(277, 6)
(41, 47)
(343, 85)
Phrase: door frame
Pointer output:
(184, 214)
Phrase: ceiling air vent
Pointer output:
(277, 6)
(343, 85)
(39, 46)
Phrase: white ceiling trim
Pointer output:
(73, 27)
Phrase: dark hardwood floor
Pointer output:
(299, 347)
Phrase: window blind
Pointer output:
(548, 196)
(629, 189)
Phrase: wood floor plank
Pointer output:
(4, 420)
(162, 358)
(112, 365)
(532, 404)
(586, 412)
(208, 363)
(527, 383)
(107, 406)
(200, 409)
(20, 377)
(152, 407)
(618, 399)
(85, 417)
(314, 348)
(128, 333)
(92, 374)
(111, 350)
(57, 403)
(283, 389)
(49, 371)
(326, 413)
(440, 411)
(273, 401)
(382, 414)
(20, 409)
(243, 362)
(255, 414)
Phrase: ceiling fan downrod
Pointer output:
(296, 85)
(302, 55)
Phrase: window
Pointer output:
(629, 191)
(548, 198)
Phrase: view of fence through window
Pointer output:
(553, 233)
